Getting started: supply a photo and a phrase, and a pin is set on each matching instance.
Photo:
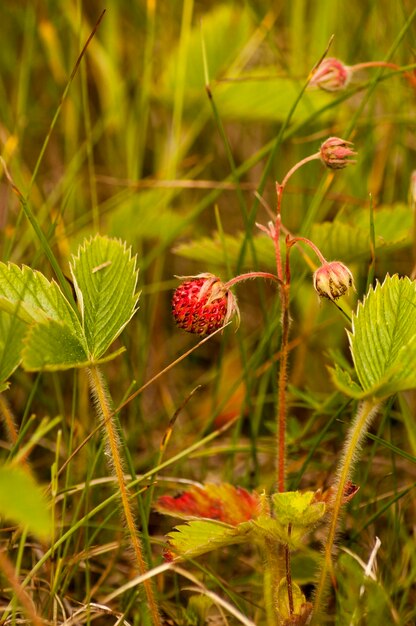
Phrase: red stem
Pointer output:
(292, 170)
(282, 384)
(248, 275)
(285, 287)
(310, 243)
(360, 66)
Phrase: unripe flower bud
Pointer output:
(332, 280)
(331, 75)
(203, 304)
(335, 153)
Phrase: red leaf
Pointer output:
(223, 502)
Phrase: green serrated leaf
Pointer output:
(27, 297)
(52, 346)
(200, 536)
(105, 279)
(30, 296)
(23, 501)
(383, 337)
(12, 331)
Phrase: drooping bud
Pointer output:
(331, 75)
(203, 304)
(332, 280)
(336, 153)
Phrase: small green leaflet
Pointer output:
(297, 508)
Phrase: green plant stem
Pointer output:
(271, 581)
(105, 412)
(289, 574)
(366, 412)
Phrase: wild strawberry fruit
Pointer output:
(203, 304)
(331, 75)
(332, 280)
(336, 153)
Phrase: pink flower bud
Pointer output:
(331, 75)
(336, 153)
(332, 280)
(202, 304)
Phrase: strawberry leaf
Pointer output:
(105, 280)
(52, 346)
(383, 338)
(200, 536)
(296, 508)
(12, 331)
(223, 502)
(29, 295)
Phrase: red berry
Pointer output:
(203, 304)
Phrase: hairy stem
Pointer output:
(282, 390)
(366, 412)
(105, 413)
(271, 581)
(248, 276)
(289, 575)
(311, 157)
(8, 419)
(310, 243)
(285, 287)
